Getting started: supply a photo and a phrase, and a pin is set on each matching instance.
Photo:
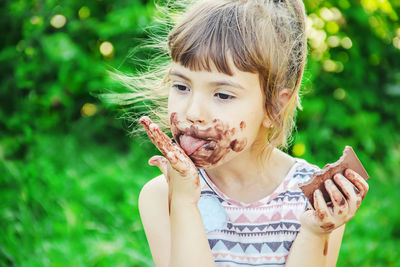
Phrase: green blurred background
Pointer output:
(70, 175)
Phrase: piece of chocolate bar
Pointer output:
(348, 160)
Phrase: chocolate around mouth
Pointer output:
(219, 141)
(177, 137)
(209, 145)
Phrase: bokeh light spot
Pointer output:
(344, 4)
(333, 41)
(84, 12)
(326, 14)
(299, 149)
(58, 21)
(106, 49)
(329, 65)
(36, 20)
(332, 27)
(337, 15)
(346, 43)
(339, 94)
(396, 42)
(88, 110)
(30, 51)
(339, 66)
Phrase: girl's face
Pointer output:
(214, 116)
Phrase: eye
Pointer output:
(181, 87)
(223, 96)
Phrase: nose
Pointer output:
(196, 111)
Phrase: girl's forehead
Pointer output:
(212, 70)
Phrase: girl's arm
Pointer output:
(319, 239)
(189, 241)
(153, 208)
(187, 244)
(310, 249)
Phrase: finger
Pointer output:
(167, 147)
(320, 206)
(180, 165)
(159, 139)
(360, 183)
(338, 200)
(161, 163)
(351, 192)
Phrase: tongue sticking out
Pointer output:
(190, 144)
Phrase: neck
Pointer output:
(245, 171)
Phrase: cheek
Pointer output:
(172, 101)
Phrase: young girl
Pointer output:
(228, 196)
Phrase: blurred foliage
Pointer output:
(70, 176)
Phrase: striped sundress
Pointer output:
(256, 234)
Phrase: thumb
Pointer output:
(161, 163)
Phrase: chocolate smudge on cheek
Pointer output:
(322, 216)
(174, 129)
(242, 125)
(238, 146)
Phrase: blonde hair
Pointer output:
(260, 36)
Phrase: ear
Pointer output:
(284, 97)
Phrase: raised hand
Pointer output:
(177, 167)
(343, 206)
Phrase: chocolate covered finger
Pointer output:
(159, 139)
(321, 208)
(361, 186)
(351, 192)
(175, 155)
(340, 205)
(161, 163)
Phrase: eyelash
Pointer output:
(224, 97)
(221, 96)
(179, 87)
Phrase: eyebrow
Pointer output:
(214, 83)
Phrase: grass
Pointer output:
(74, 203)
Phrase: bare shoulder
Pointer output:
(153, 208)
(283, 162)
(155, 188)
(153, 198)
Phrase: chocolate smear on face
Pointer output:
(219, 136)
(238, 146)
(242, 125)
